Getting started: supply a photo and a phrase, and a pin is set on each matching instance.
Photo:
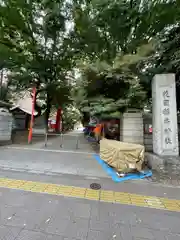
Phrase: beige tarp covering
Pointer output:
(124, 157)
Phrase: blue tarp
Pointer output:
(130, 176)
(91, 139)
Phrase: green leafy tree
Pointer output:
(117, 39)
(165, 58)
(71, 116)
(36, 34)
(107, 28)
(109, 89)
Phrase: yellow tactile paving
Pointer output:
(99, 195)
(92, 194)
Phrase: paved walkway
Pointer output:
(36, 158)
(167, 174)
(35, 216)
(56, 205)
(45, 194)
(98, 195)
(53, 159)
(71, 141)
(50, 162)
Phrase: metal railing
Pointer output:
(61, 135)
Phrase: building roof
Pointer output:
(24, 103)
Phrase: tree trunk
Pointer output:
(36, 106)
(48, 110)
(1, 83)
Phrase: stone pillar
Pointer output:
(131, 127)
(165, 130)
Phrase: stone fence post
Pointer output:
(131, 127)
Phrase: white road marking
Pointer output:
(49, 150)
(92, 178)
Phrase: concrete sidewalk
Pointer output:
(71, 160)
(50, 162)
(141, 187)
(35, 216)
(36, 158)
(57, 207)
(45, 194)
(72, 141)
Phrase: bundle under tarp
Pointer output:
(123, 157)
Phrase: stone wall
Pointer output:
(19, 120)
(39, 126)
(131, 128)
(5, 126)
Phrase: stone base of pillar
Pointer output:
(131, 128)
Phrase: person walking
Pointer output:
(98, 131)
